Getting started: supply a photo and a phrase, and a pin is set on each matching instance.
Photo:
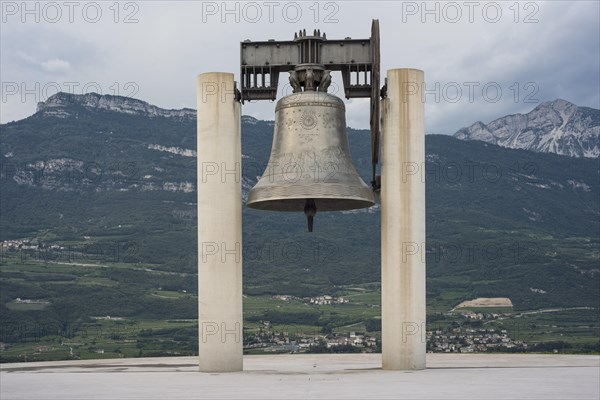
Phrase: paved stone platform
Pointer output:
(343, 376)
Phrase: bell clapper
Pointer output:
(310, 209)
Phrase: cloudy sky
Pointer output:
(482, 60)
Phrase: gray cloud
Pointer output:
(158, 57)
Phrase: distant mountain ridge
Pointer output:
(557, 126)
(57, 105)
(499, 221)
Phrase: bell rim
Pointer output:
(323, 204)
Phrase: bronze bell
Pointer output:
(310, 168)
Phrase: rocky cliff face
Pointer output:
(557, 127)
(58, 105)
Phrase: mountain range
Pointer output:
(557, 126)
(110, 171)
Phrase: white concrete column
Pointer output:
(403, 222)
(219, 151)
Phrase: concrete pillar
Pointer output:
(219, 224)
(403, 222)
